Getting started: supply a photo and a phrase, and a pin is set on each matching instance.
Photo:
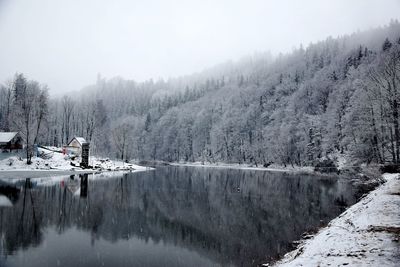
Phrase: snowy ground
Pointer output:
(272, 167)
(367, 234)
(57, 162)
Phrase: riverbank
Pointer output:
(30, 173)
(57, 164)
(273, 167)
(367, 234)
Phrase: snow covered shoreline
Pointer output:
(38, 173)
(366, 234)
(274, 168)
(57, 164)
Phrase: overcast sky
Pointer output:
(65, 43)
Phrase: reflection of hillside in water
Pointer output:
(229, 216)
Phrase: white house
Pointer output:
(75, 145)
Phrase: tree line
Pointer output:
(335, 97)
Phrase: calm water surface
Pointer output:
(173, 216)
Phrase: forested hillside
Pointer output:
(338, 96)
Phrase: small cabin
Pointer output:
(75, 146)
(10, 141)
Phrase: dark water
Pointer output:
(173, 216)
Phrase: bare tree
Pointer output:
(68, 107)
(41, 109)
(121, 136)
(6, 94)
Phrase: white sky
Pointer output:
(65, 43)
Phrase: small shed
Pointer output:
(75, 145)
(10, 141)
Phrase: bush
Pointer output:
(390, 168)
(267, 164)
(326, 166)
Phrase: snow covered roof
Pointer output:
(5, 201)
(80, 140)
(6, 137)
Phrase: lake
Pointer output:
(171, 216)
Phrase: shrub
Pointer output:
(326, 166)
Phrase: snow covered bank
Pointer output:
(52, 160)
(273, 167)
(367, 234)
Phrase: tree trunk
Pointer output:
(375, 138)
(396, 129)
(392, 146)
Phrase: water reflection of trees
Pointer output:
(23, 229)
(231, 216)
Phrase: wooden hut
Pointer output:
(10, 141)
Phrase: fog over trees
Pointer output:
(338, 96)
